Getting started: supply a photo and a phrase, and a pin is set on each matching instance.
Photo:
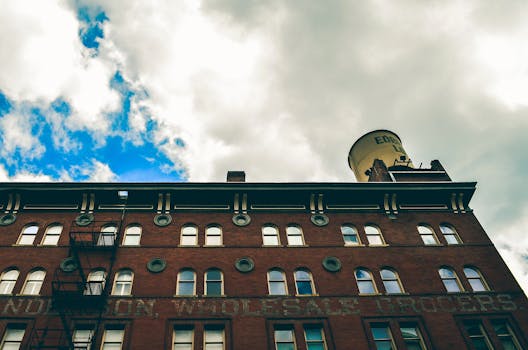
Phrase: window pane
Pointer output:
(277, 288)
(182, 347)
(214, 288)
(317, 346)
(188, 240)
(387, 274)
(14, 334)
(114, 335)
(446, 273)
(285, 347)
(476, 285)
(428, 239)
(380, 333)
(271, 240)
(384, 345)
(471, 273)
(214, 346)
(304, 288)
(283, 335)
(451, 285)
(392, 287)
(350, 239)
(302, 275)
(186, 288)
(213, 240)
(214, 275)
(131, 240)
(366, 287)
(374, 240)
(214, 335)
(295, 240)
(313, 334)
(450, 239)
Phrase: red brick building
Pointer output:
(397, 261)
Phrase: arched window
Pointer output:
(450, 234)
(95, 282)
(52, 235)
(365, 282)
(8, 279)
(450, 279)
(374, 236)
(214, 282)
(213, 235)
(277, 282)
(189, 235)
(294, 235)
(186, 282)
(350, 235)
(107, 235)
(427, 234)
(270, 235)
(391, 281)
(132, 235)
(123, 282)
(304, 282)
(27, 236)
(34, 282)
(475, 279)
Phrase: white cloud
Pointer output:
(43, 59)
(95, 171)
(17, 136)
(23, 176)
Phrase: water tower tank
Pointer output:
(377, 144)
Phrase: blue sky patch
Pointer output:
(91, 21)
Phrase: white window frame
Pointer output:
(289, 329)
(13, 335)
(297, 234)
(176, 341)
(107, 343)
(448, 230)
(396, 279)
(8, 281)
(52, 235)
(206, 282)
(34, 281)
(310, 279)
(82, 337)
(370, 234)
(207, 333)
(363, 280)
(28, 235)
(107, 236)
(283, 280)
(450, 278)
(268, 234)
(95, 282)
(180, 281)
(344, 234)
(479, 278)
(131, 235)
(315, 342)
(123, 284)
(213, 232)
(427, 231)
(184, 235)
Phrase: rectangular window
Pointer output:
(13, 336)
(412, 337)
(113, 338)
(385, 333)
(284, 339)
(477, 335)
(506, 335)
(183, 338)
(82, 337)
(294, 235)
(314, 336)
(213, 338)
(382, 337)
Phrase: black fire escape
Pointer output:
(80, 288)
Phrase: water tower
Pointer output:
(378, 144)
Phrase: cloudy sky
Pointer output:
(131, 90)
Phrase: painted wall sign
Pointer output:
(275, 307)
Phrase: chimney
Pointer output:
(236, 176)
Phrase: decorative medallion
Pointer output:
(156, 265)
(241, 219)
(319, 219)
(84, 219)
(245, 264)
(332, 264)
(162, 219)
(7, 219)
(68, 265)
